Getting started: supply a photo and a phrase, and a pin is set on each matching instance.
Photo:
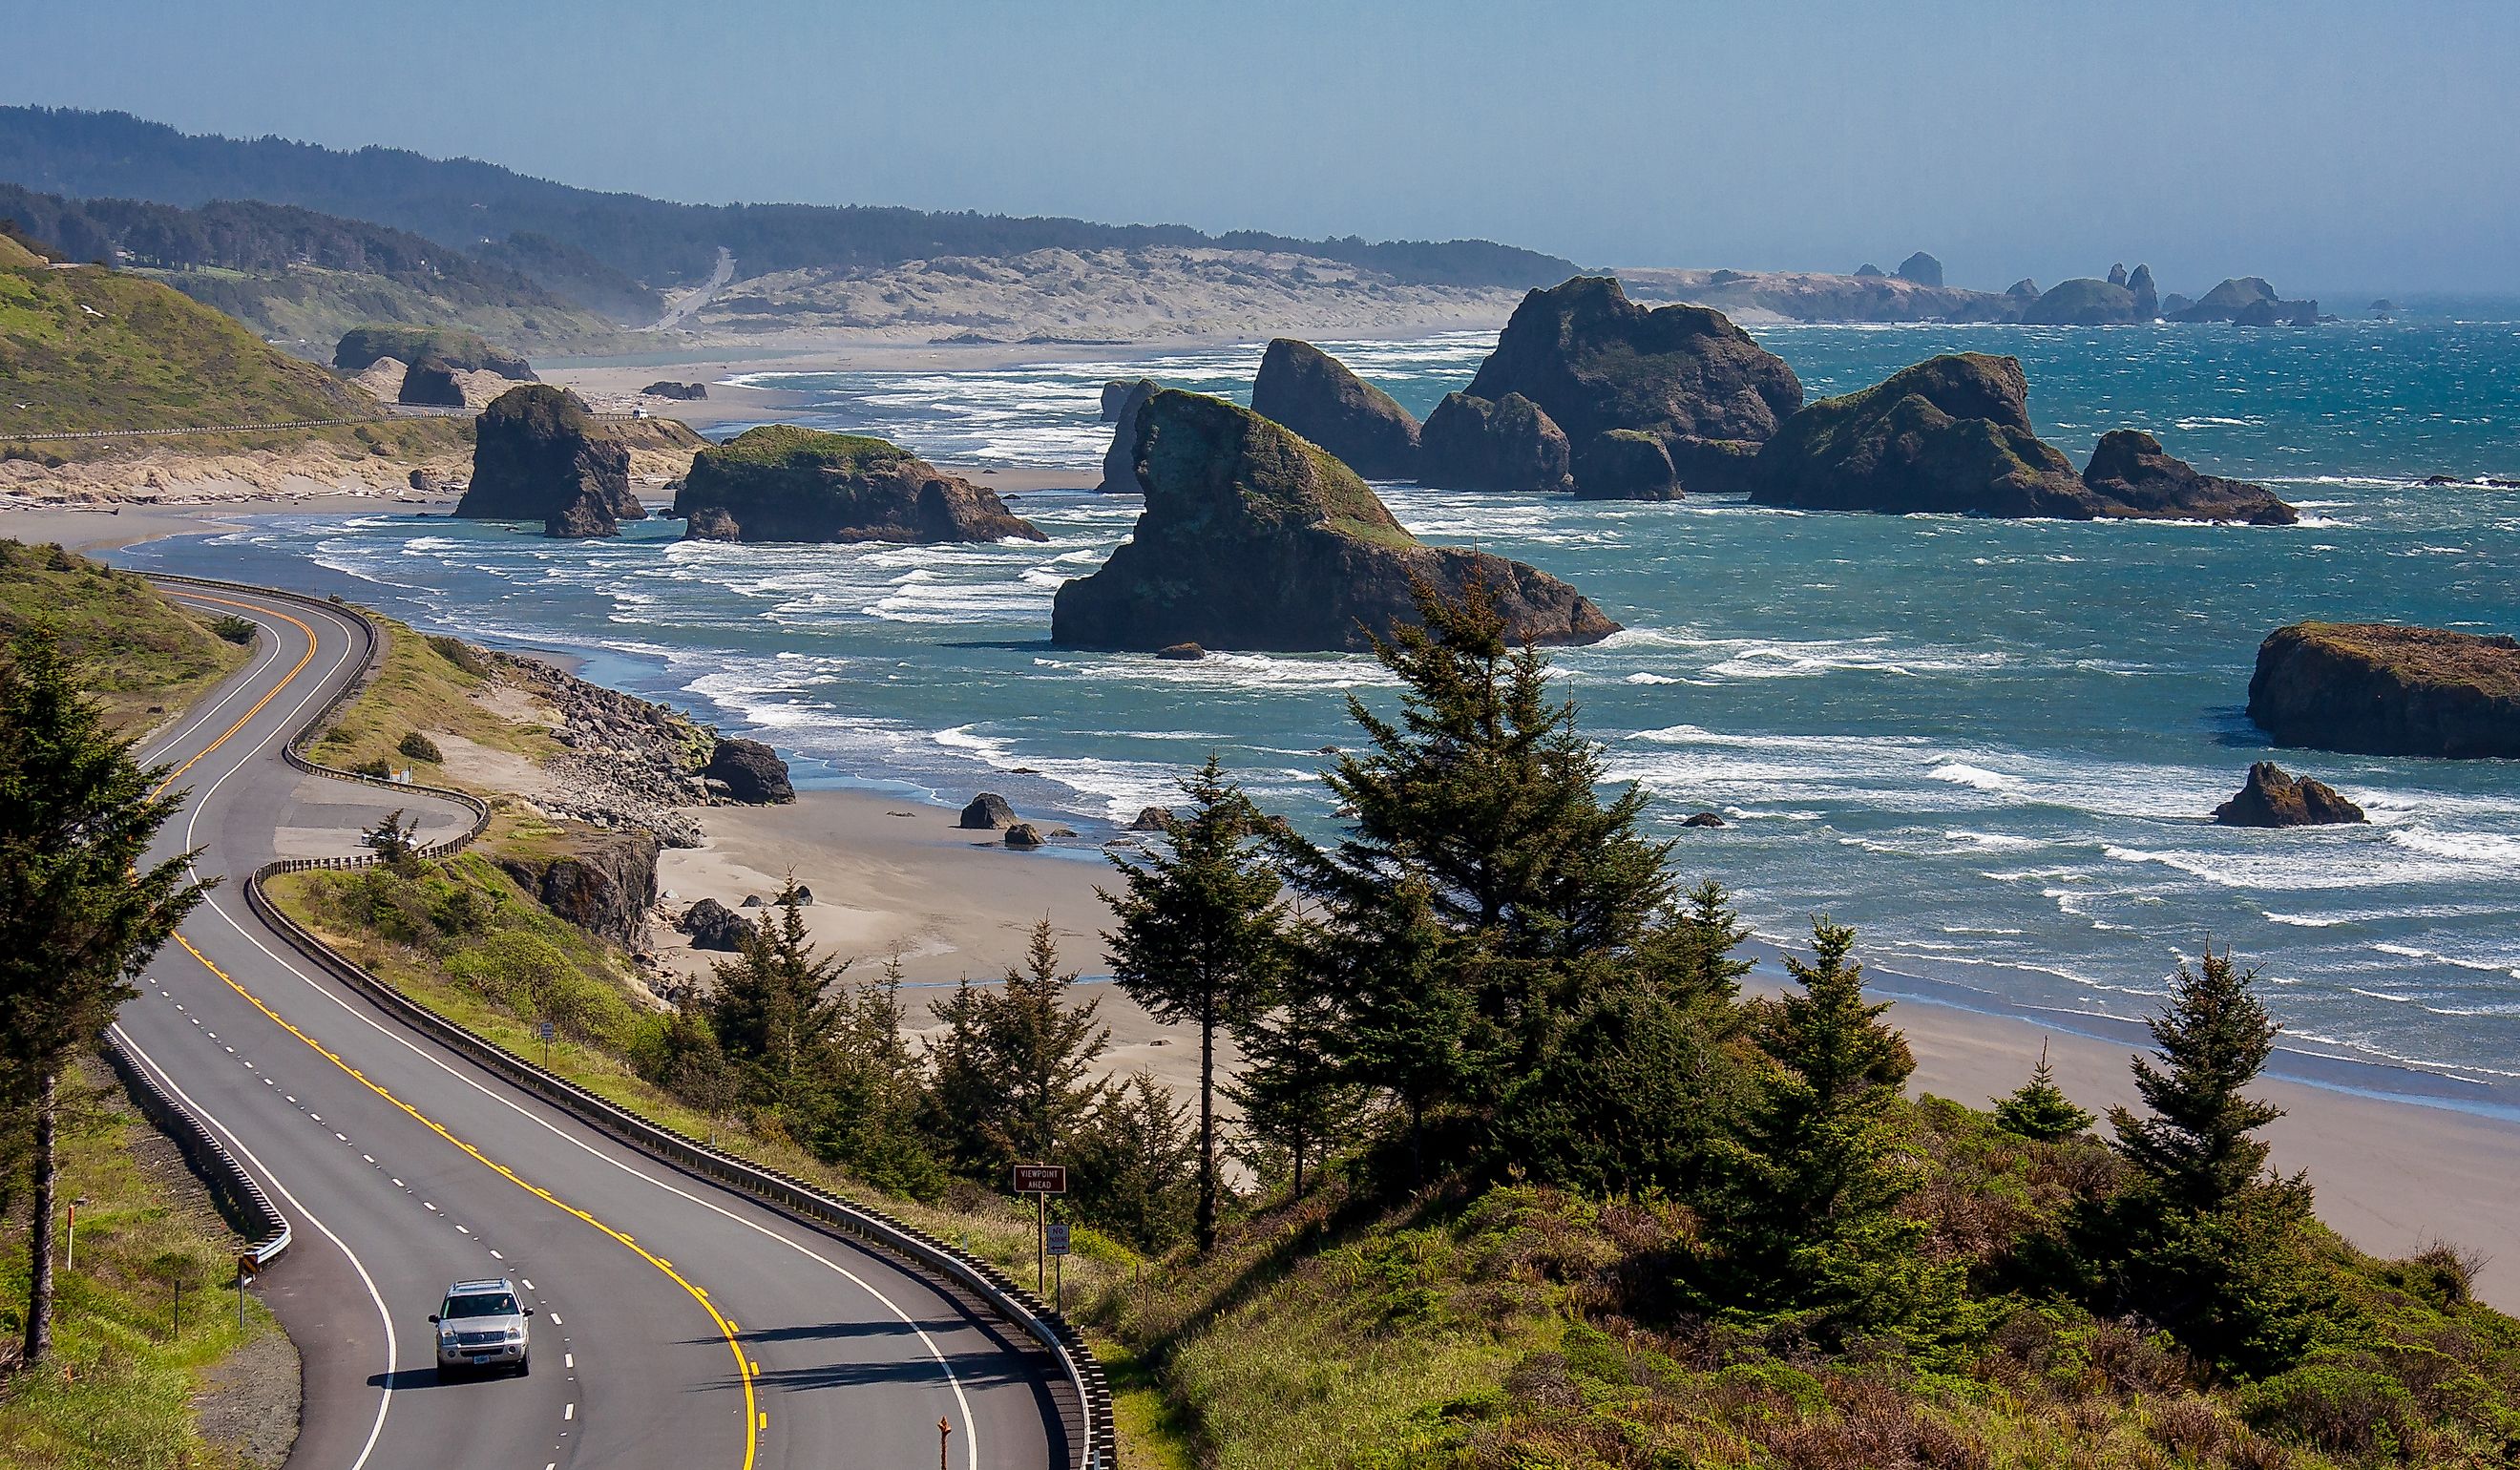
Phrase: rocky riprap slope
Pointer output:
(2274, 797)
(1314, 393)
(783, 483)
(1596, 362)
(1952, 436)
(1255, 538)
(2379, 689)
(537, 456)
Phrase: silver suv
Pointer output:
(482, 1326)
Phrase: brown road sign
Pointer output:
(1041, 1179)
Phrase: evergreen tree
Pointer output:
(2197, 1148)
(1808, 1227)
(1198, 938)
(873, 1087)
(1137, 1165)
(1296, 1100)
(79, 915)
(1633, 1098)
(773, 1010)
(1409, 1020)
(1013, 1069)
(2040, 1109)
(1694, 954)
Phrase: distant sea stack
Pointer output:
(1952, 436)
(536, 457)
(1922, 268)
(458, 349)
(1314, 393)
(781, 483)
(1472, 444)
(2248, 302)
(1594, 361)
(1254, 538)
(1120, 404)
(2274, 797)
(2379, 689)
(2086, 302)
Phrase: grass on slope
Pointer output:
(312, 306)
(134, 647)
(122, 1388)
(88, 349)
(426, 684)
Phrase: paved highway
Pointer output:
(681, 1323)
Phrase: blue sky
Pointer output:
(2328, 147)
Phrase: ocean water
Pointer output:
(1992, 745)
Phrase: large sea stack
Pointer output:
(2249, 302)
(1314, 393)
(1255, 538)
(1471, 444)
(1952, 436)
(1121, 400)
(1596, 361)
(2379, 688)
(783, 483)
(536, 456)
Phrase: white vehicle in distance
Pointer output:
(482, 1326)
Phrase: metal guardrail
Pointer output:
(1090, 1437)
(238, 1197)
(162, 434)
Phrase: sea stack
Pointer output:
(1254, 538)
(1314, 393)
(536, 456)
(1472, 444)
(2379, 689)
(2274, 797)
(1596, 362)
(783, 483)
(1121, 401)
(2134, 480)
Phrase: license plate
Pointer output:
(480, 1360)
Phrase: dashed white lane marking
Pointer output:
(460, 1230)
(555, 1319)
(570, 1412)
(568, 1359)
(344, 1137)
(426, 1205)
(399, 1184)
(367, 1158)
(530, 1283)
(495, 1256)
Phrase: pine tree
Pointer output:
(2040, 1109)
(1409, 1023)
(1198, 938)
(1296, 1100)
(873, 1087)
(2196, 1148)
(773, 1010)
(1013, 1070)
(1694, 954)
(79, 915)
(1138, 1169)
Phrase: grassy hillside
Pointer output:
(137, 648)
(82, 347)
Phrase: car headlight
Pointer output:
(516, 1334)
(446, 1334)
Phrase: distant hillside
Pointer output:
(296, 276)
(83, 347)
(472, 205)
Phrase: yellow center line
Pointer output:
(753, 1418)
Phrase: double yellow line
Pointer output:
(752, 1416)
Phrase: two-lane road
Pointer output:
(680, 1324)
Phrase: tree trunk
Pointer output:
(1299, 1173)
(39, 1277)
(1206, 1223)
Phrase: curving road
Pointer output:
(681, 1323)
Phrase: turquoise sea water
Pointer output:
(1992, 745)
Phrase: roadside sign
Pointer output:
(544, 1029)
(1058, 1237)
(247, 1266)
(1041, 1179)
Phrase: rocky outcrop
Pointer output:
(986, 813)
(781, 483)
(2023, 289)
(1119, 477)
(361, 347)
(747, 772)
(1867, 271)
(2274, 797)
(1952, 436)
(536, 457)
(687, 392)
(1255, 538)
(1624, 464)
(1922, 268)
(1023, 836)
(431, 382)
(1181, 653)
(713, 925)
(1705, 819)
(2248, 302)
(1594, 361)
(1152, 820)
(1472, 444)
(2084, 302)
(2379, 689)
(1314, 393)
(2148, 297)
(2135, 480)
(604, 884)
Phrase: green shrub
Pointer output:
(234, 629)
(376, 766)
(2339, 1407)
(459, 653)
(420, 748)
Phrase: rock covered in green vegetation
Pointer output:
(431, 382)
(2084, 302)
(1624, 464)
(2274, 797)
(2135, 479)
(1119, 474)
(1596, 361)
(605, 883)
(2248, 302)
(1513, 444)
(781, 483)
(1314, 393)
(2380, 689)
(459, 349)
(1255, 538)
(536, 456)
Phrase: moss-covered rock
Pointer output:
(2084, 302)
(462, 350)
(1314, 393)
(537, 456)
(781, 483)
(1951, 435)
(2135, 479)
(1253, 537)
(1624, 464)
(1472, 444)
(2379, 689)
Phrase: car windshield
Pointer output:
(484, 1304)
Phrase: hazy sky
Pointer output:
(2325, 146)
